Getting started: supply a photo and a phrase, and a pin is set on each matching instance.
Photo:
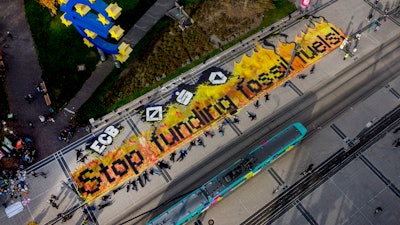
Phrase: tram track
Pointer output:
(295, 193)
(315, 108)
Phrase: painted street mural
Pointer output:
(192, 109)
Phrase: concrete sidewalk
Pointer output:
(24, 74)
(61, 163)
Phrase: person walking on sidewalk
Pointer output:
(208, 134)
(266, 96)
(52, 202)
(236, 119)
(369, 17)
(200, 142)
(312, 69)
(42, 174)
(386, 14)
(10, 35)
(252, 116)
(221, 130)
(172, 156)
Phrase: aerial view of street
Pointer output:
(170, 112)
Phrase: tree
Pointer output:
(50, 4)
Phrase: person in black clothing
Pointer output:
(236, 119)
(266, 96)
(252, 116)
(172, 156)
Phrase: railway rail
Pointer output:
(295, 193)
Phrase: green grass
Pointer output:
(132, 10)
(91, 107)
(60, 49)
(95, 107)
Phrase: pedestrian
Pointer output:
(42, 174)
(221, 130)
(236, 119)
(315, 5)
(377, 26)
(83, 158)
(117, 189)
(101, 206)
(266, 96)
(312, 69)
(346, 56)
(386, 14)
(396, 143)
(42, 119)
(79, 154)
(290, 16)
(200, 142)
(302, 76)
(105, 197)
(30, 124)
(39, 88)
(369, 17)
(154, 171)
(355, 45)
(163, 165)
(10, 35)
(172, 156)
(376, 3)
(29, 98)
(378, 210)
(181, 156)
(134, 185)
(211, 134)
(252, 116)
(140, 180)
(396, 130)
(146, 176)
(309, 168)
(52, 202)
(257, 104)
(34, 174)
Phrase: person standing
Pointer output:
(10, 35)
(266, 96)
(52, 202)
(378, 210)
(386, 14)
(236, 119)
(172, 156)
(312, 69)
(346, 56)
(200, 142)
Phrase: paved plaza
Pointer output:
(349, 197)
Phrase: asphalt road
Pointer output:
(314, 109)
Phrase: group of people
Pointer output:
(13, 187)
(23, 151)
(66, 134)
